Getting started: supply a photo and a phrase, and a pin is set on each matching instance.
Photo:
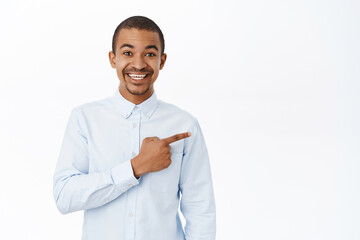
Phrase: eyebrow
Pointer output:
(147, 47)
(126, 45)
(152, 46)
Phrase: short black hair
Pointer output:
(141, 23)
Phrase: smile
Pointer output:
(137, 76)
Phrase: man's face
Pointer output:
(137, 61)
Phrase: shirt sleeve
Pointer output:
(74, 187)
(197, 201)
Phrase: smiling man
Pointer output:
(129, 160)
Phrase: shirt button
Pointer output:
(133, 154)
(134, 125)
(107, 200)
(130, 185)
(130, 214)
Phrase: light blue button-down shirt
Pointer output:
(94, 173)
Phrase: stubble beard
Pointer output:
(137, 93)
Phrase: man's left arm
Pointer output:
(197, 201)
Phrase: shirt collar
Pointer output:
(147, 107)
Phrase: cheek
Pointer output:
(120, 77)
(156, 68)
(119, 70)
(155, 75)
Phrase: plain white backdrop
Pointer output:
(275, 86)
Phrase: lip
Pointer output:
(138, 81)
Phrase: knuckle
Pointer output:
(168, 163)
(150, 139)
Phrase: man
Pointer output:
(127, 159)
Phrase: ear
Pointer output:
(163, 60)
(112, 59)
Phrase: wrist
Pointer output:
(136, 166)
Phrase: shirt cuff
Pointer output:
(123, 174)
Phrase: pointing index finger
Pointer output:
(176, 137)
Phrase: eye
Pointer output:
(150, 55)
(127, 53)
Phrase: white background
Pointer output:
(275, 86)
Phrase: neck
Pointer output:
(136, 99)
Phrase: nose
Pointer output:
(138, 62)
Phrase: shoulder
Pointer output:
(172, 111)
(92, 107)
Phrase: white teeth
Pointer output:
(136, 76)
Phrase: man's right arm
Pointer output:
(76, 189)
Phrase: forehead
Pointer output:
(137, 38)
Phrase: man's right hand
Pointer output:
(155, 154)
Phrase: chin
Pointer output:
(138, 91)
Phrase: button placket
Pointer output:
(132, 192)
